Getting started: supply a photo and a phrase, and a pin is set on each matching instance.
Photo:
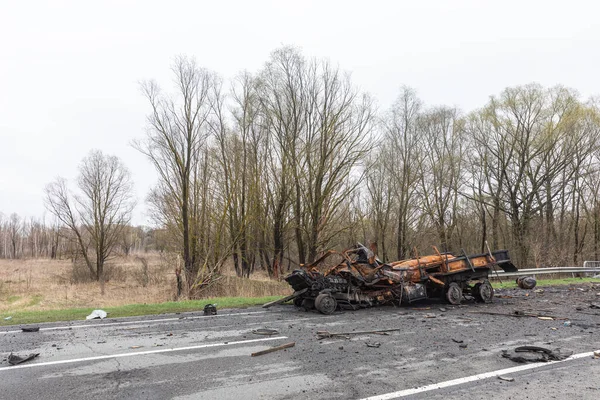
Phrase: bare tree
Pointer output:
(441, 173)
(99, 211)
(14, 231)
(176, 141)
(402, 138)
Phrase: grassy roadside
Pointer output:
(78, 314)
(509, 284)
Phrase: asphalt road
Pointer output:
(191, 356)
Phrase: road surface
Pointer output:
(191, 356)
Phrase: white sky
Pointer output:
(69, 70)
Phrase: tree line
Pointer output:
(270, 170)
(278, 166)
(23, 237)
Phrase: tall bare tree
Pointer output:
(176, 141)
(402, 138)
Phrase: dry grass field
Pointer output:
(43, 284)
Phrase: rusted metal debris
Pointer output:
(361, 280)
(272, 349)
(346, 335)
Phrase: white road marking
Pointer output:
(459, 381)
(138, 353)
(128, 323)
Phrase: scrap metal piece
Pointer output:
(536, 354)
(272, 349)
(346, 335)
(265, 331)
(506, 378)
(288, 298)
(14, 359)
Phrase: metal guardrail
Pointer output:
(542, 271)
(591, 264)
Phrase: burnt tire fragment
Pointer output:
(454, 293)
(325, 303)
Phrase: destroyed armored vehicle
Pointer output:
(361, 280)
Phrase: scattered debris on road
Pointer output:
(272, 349)
(535, 354)
(31, 329)
(97, 314)
(375, 345)
(265, 331)
(210, 309)
(14, 359)
(346, 335)
(361, 280)
(520, 314)
(506, 378)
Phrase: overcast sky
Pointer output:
(70, 70)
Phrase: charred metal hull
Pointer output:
(363, 281)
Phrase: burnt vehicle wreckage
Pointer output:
(361, 280)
